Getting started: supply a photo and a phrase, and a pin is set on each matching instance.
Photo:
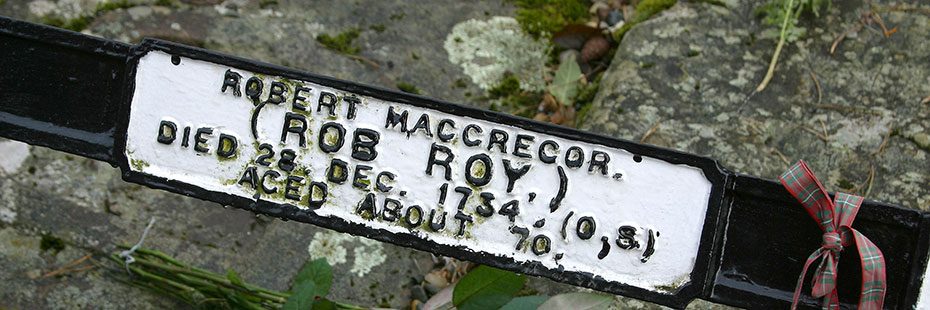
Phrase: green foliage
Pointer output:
(74, 24)
(302, 297)
(541, 18)
(509, 85)
(787, 13)
(379, 28)
(51, 243)
(486, 288)
(408, 88)
(578, 301)
(319, 272)
(160, 273)
(107, 6)
(510, 98)
(342, 42)
(566, 82)
(525, 303)
(645, 9)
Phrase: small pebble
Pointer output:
(614, 17)
(922, 140)
(594, 48)
(565, 55)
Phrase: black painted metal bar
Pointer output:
(71, 92)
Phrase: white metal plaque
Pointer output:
(460, 181)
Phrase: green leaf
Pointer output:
(324, 304)
(566, 81)
(317, 271)
(525, 303)
(578, 301)
(302, 297)
(234, 277)
(486, 287)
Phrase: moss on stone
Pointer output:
(408, 88)
(379, 28)
(342, 42)
(74, 24)
(51, 243)
(541, 18)
(644, 10)
(107, 6)
(509, 85)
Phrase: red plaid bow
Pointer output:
(835, 218)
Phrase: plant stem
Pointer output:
(781, 42)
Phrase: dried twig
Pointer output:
(868, 189)
(881, 146)
(70, 267)
(784, 158)
(815, 133)
(925, 100)
(817, 86)
(651, 131)
(839, 39)
(364, 60)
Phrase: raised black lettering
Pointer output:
(286, 162)
(231, 79)
(443, 135)
(521, 145)
(433, 151)
(200, 143)
(485, 209)
(574, 157)
(408, 216)
(381, 185)
(436, 226)
(253, 88)
(250, 175)
(463, 219)
(422, 124)
(367, 205)
(186, 137)
(318, 191)
(338, 171)
(480, 175)
(353, 102)
(167, 132)
(327, 99)
(297, 124)
(274, 176)
(263, 159)
(292, 187)
(276, 93)
(359, 179)
(548, 147)
(390, 211)
(514, 174)
(299, 102)
(585, 228)
(227, 146)
(599, 161)
(393, 119)
(498, 137)
(363, 144)
(330, 141)
(466, 137)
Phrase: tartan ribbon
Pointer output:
(835, 219)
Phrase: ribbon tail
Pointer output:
(797, 290)
(873, 273)
(824, 281)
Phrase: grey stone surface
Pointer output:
(687, 73)
(856, 116)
